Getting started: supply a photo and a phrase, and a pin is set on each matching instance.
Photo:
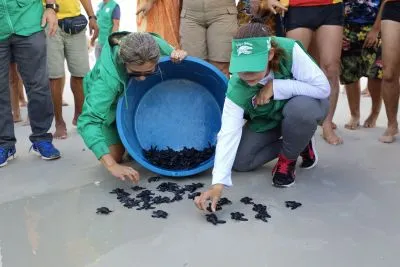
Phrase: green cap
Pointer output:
(250, 54)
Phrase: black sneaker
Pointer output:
(309, 156)
(284, 172)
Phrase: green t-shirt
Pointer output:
(20, 17)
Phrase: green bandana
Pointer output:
(250, 55)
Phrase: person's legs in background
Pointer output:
(193, 34)
(390, 30)
(7, 137)
(374, 85)
(14, 92)
(220, 32)
(357, 62)
(329, 43)
(77, 57)
(55, 62)
(30, 56)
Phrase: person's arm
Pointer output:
(372, 37)
(50, 18)
(96, 109)
(377, 23)
(227, 143)
(93, 28)
(145, 8)
(116, 18)
(308, 79)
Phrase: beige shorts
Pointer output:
(70, 47)
(208, 34)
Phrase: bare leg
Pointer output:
(117, 152)
(13, 83)
(20, 86)
(329, 43)
(391, 72)
(303, 35)
(374, 88)
(64, 103)
(56, 91)
(353, 97)
(77, 90)
(313, 50)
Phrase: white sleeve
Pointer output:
(309, 79)
(227, 143)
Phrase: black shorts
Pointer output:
(313, 17)
(391, 11)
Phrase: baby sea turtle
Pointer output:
(224, 201)
(195, 194)
(212, 218)
(217, 208)
(103, 210)
(137, 188)
(169, 187)
(177, 197)
(247, 201)
(262, 213)
(238, 216)
(154, 179)
(292, 204)
(159, 214)
(261, 217)
(193, 187)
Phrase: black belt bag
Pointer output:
(73, 25)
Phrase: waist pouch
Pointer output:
(73, 25)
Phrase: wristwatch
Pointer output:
(52, 6)
(92, 17)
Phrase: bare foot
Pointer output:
(334, 126)
(390, 135)
(353, 124)
(75, 120)
(61, 131)
(370, 122)
(329, 134)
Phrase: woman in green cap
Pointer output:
(125, 55)
(282, 93)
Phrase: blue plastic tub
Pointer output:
(180, 105)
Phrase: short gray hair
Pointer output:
(139, 48)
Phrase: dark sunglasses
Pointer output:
(146, 73)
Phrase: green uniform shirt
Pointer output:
(102, 88)
(20, 17)
(265, 117)
(105, 21)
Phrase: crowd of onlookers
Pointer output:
(349, 39)
(345, 37)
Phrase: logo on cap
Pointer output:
(244, 48)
